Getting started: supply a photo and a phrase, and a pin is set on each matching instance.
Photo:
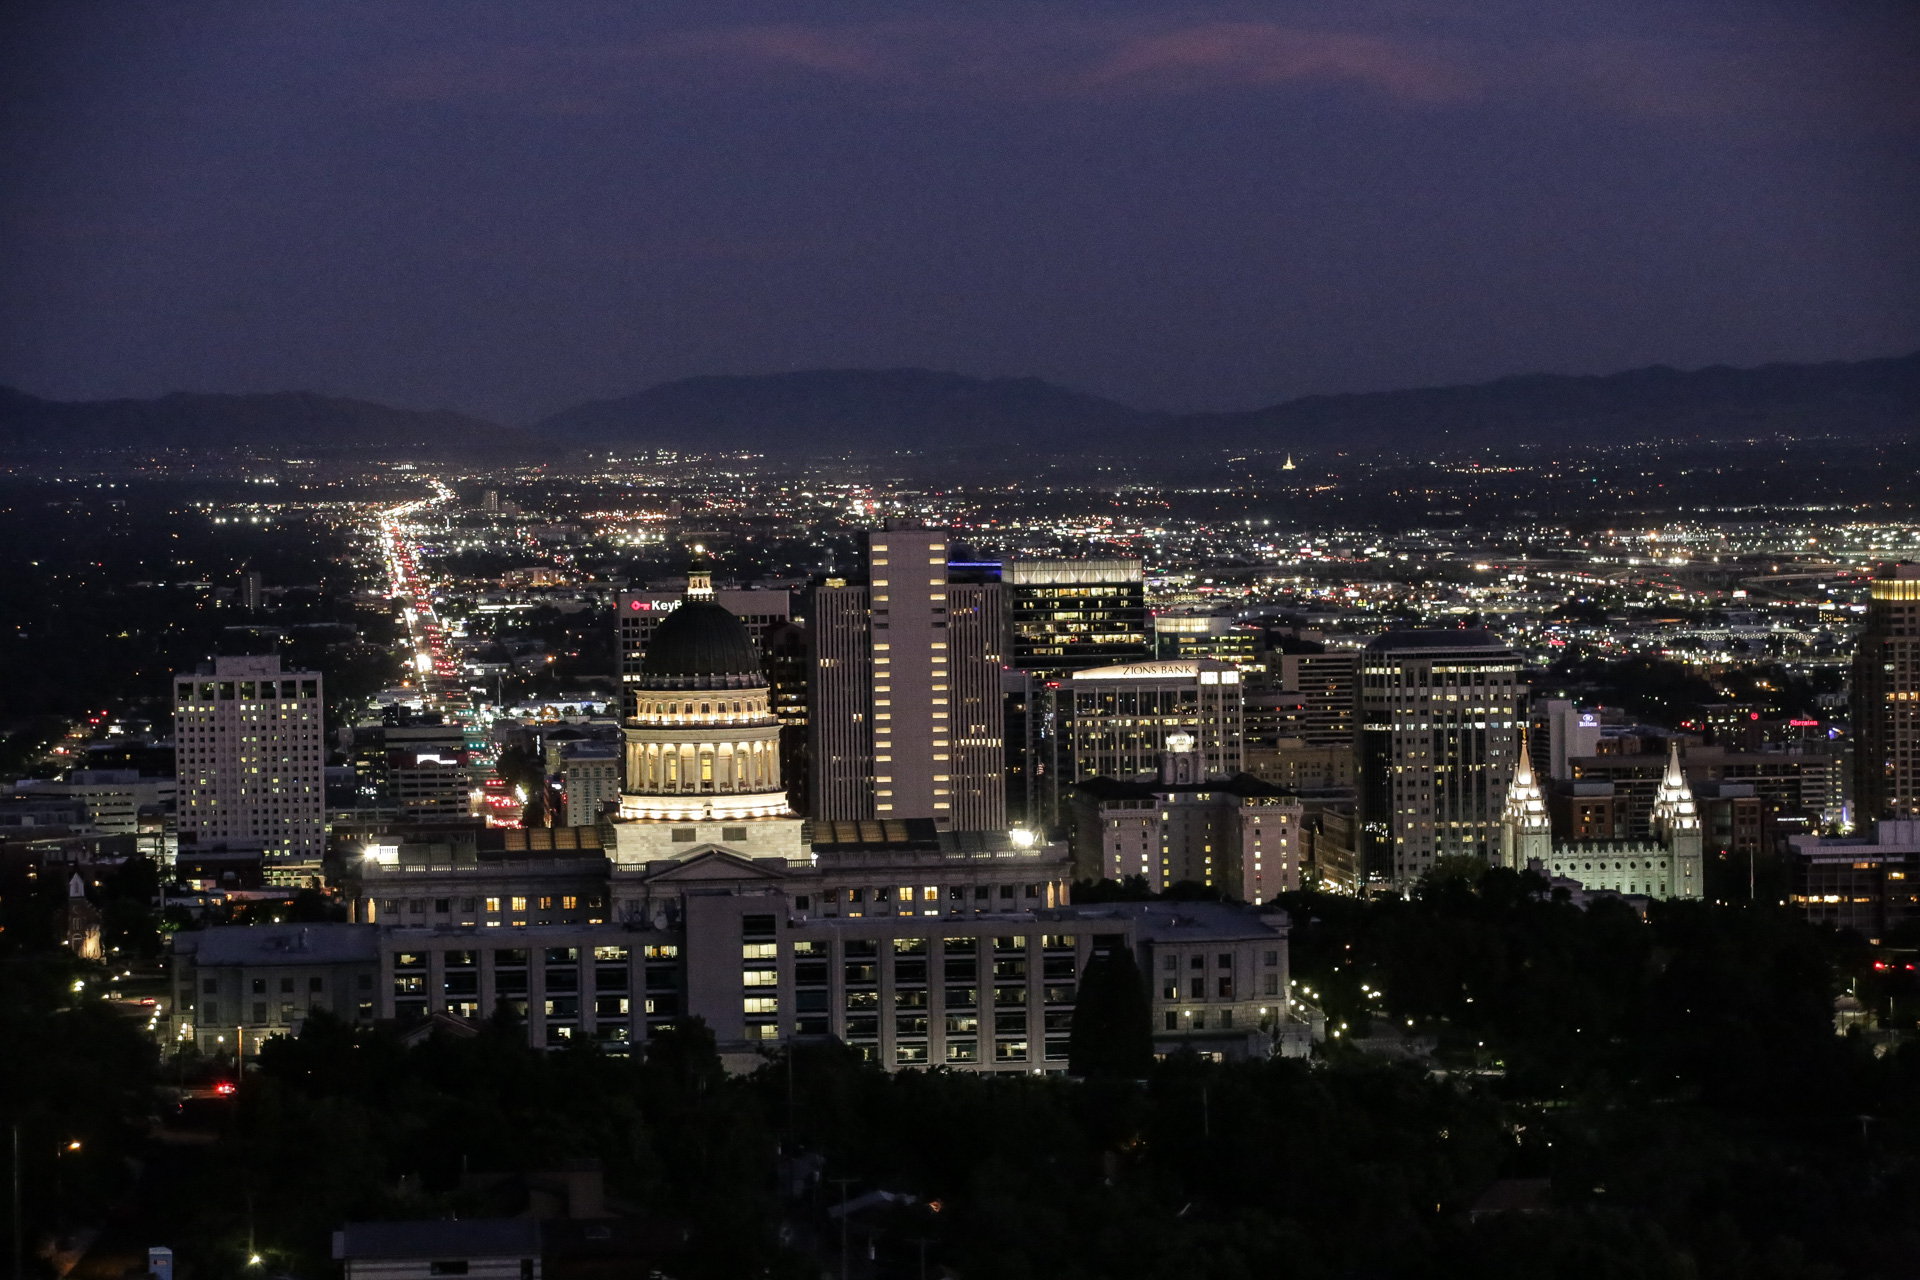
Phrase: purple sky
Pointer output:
(507, 208)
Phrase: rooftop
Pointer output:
(281, 944)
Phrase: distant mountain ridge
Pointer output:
(886, 411)
(826, 412)
(1866, 399)
(284, 421)
(829, 411)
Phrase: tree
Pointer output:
(1112, 1023)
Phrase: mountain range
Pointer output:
(826, 412)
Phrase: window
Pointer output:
(1226, 960)
(519, 904)
(1198, 989)
(1226, 988)
(1198, 962)
(1173, 1021)
(1171, 964)
(211, 986)
(493, 906)
(316, 984)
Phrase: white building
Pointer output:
(702, 742)
(1668, 866)
(250, 751)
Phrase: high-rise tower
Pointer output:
(1441, 712)
(1886, 699)
(250, 750)
(905, 715)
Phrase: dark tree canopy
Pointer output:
(1112, 1027)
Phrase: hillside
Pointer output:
(828, 411)
(1862, 400)
(824, 412)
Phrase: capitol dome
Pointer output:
(701, 645)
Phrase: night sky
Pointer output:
(508, 208)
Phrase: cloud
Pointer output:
(1216, 54)
(1733, 74)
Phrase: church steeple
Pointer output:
(1526, 834)
(1676, 821)
(1673, 806)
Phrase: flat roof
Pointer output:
(289, 944)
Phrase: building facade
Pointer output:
(1869, 884)
(1886, 699)
(1441, 715)
(1329, 707)
(986, 993)
(906, 718)
(250, 751)
(1121, 719)
(1237, 835)
(1062, 616)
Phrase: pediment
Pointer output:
(712, 862)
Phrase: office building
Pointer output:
(1062, 616)
(117, 801)
(1867, 883)
(1441, 717)
(642, 612)
(1792, 785)
(905, 712)
(1223, 639)
(589, 775)
(486, 877)
(1067, 615)
(987, 993)
(250, 748)
(1560, 734)
(1886, 699)
(1238, 835)
(1122, 718)
(415, 768)
(1325, 684)
(786, 657)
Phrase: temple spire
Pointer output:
(1673, 806)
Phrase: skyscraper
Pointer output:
(1886, 699)
(250, 754)
(1124, 718)
(1328, 706)
(1440, 722)
(1062, 616)
(905, 715)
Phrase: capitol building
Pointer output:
(702, 745)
